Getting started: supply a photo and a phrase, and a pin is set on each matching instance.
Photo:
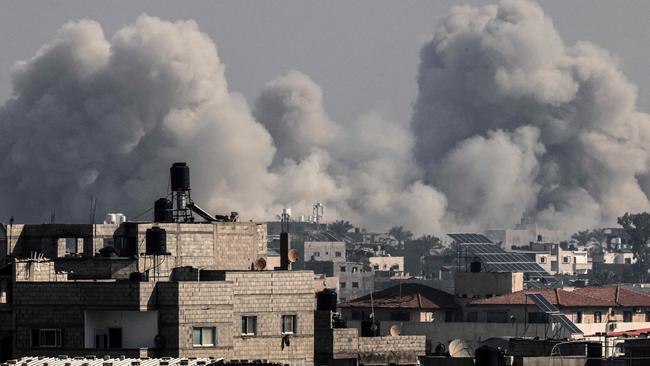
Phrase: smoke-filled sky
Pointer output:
(439, 119)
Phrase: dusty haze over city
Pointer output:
(434, 116)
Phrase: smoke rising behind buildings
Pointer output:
(509, 122)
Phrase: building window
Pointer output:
(248, 325)
(453, 316)
(537, 317)
(342, 284)
(316, 254)
(542, 260)
(354, 269)
(342, 268)
(403, 316)
(577, 317)
(628, 260)
(337, 254)
(497, 316)
(598, 317)
(46, 338)
(204, 336)
(355, 284)
(647, 316)
(566, 259)
(288, 324)
(627, 316)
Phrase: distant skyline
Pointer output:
(363, 54)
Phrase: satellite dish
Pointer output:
(293, 255)
(459, 348)
(260, 263)
(394, 330)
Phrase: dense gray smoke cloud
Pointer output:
(511, 122)
(92, 116)
(508, 122)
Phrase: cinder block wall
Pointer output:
(265, 294)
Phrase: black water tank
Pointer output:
(488, 356)
(156, 241)
(162, 210)
(180, 177)
(326, 300)
(475, 266)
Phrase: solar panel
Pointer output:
(543, 304)
(567, 324)
(496, 259)
(470, 238)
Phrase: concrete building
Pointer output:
(324, 251)
(523, 235)
(199, 300)
(556, 260)
(387, 263)
(482, 285)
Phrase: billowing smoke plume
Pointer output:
(96, 117)
(91, 116)
(509, 122)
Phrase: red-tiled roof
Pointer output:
(555, 296)
(616, 294)
(406, 296)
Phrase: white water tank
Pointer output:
(111, 218)
(114, 218)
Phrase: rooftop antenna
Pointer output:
(284, 239)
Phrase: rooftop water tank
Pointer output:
(156, 241)
(180, 177)
(162, 210)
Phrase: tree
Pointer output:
(599, 236)
(582, 237)
(430, 242)
(400, 234)
(340, 227)
(638, 227)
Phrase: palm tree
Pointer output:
(430, 241)
(582, 237)
(340, 227)
(400, 234)
(599, 236)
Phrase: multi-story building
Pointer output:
(387, 264)
(486, 305)
(554, 259)
(196, 298)
(325, 251)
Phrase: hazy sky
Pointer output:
(363, 54)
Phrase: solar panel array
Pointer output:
(470, 238)
(567, 324)
(543, 304)
(495, 259)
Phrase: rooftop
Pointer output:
(406, 296)
(583, 297)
